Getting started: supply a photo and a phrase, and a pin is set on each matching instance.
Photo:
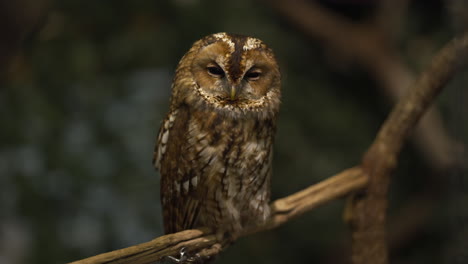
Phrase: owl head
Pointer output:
(231, 74)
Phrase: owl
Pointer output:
(214, 148)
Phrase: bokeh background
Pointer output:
(85, 84)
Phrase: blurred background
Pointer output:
(85, 84)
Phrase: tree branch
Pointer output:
(206, 244)
(367, 211)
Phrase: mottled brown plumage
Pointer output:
(214, 148)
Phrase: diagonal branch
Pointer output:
(367, 212)
(205, 244)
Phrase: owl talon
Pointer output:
(183, 258)
(175, 260)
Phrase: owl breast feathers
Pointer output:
(214, 149)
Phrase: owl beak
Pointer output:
(233, 92)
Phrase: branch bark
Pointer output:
(206, 244)
(367, 211)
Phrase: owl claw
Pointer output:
(183, 258)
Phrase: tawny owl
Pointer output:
(214, 149)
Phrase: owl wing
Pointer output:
(178, 180)
(163, 136)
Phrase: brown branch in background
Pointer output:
(368, 45)
(367, 211)
(206, 244)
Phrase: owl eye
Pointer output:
(252, 75)
(215, 71)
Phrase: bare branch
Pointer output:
(206, 244)
(156, 249)
(296, 204)
(368, 211)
